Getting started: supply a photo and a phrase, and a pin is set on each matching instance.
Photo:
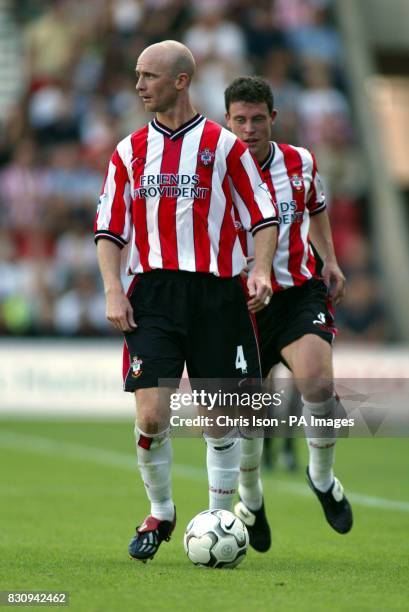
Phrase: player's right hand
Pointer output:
(119, 311)
(259, 289)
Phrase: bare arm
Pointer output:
(118, 307)
(259, 281)
(321, 237)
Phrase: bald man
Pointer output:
(172, 192)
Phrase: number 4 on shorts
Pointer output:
(241, 363)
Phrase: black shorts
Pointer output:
(291, 314)
(193, 318)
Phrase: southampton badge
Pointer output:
(136, 367)
(297, 182)
(206, 157)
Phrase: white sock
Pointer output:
(250, 486)
(154, 453)
(321, 450)
(223, 461)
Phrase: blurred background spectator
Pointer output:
(67, 97)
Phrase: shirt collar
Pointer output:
(268, 160)
(181, 130)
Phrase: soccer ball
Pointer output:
(216, 538)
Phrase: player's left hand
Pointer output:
(260, 292)
(335, 281)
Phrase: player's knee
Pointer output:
(151, 420)
(322, 408)
(316, 384)
(318, 391)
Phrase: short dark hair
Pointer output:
(251, 89)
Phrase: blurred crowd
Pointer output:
(67, 96)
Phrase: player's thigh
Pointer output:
(153, 355)
(309, 357)
(310, 360)
(269, 321)
(223, 341)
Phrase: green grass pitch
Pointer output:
(71, 497)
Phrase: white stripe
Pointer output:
(184, 206)
(107, 197)
(307, 164)
(358, 499)
(237, 254)
(284, 193)
(261, 196)
(78, 452)
(153, 164)
(124, 149)
(242, 209)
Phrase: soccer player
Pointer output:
(172, 191)
(297, 327)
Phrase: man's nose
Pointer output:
(140, 84)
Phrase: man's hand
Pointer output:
(119, 311)
(335, 281)
(260, 292)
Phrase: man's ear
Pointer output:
(273, 115)
(182, 81)
(227, 117)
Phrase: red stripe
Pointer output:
(241, 180)
(228, 234)
(312, 195)
(293, 164)
(131, 287)
(105, 180)
(139, 143)
(311, 263)
(118, 209)
(126, 360)
(243, 241)
(312, 203)
(209, 140)
(167, 206)
(269, 182)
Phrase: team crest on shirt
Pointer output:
(206, 157)
(297, 182)
(136, 366)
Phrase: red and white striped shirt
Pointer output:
(292, 177)
(176, 195)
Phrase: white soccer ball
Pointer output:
(216, 538)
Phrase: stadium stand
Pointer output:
(73, 98)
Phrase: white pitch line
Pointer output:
(112, 459)
(357, 498)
